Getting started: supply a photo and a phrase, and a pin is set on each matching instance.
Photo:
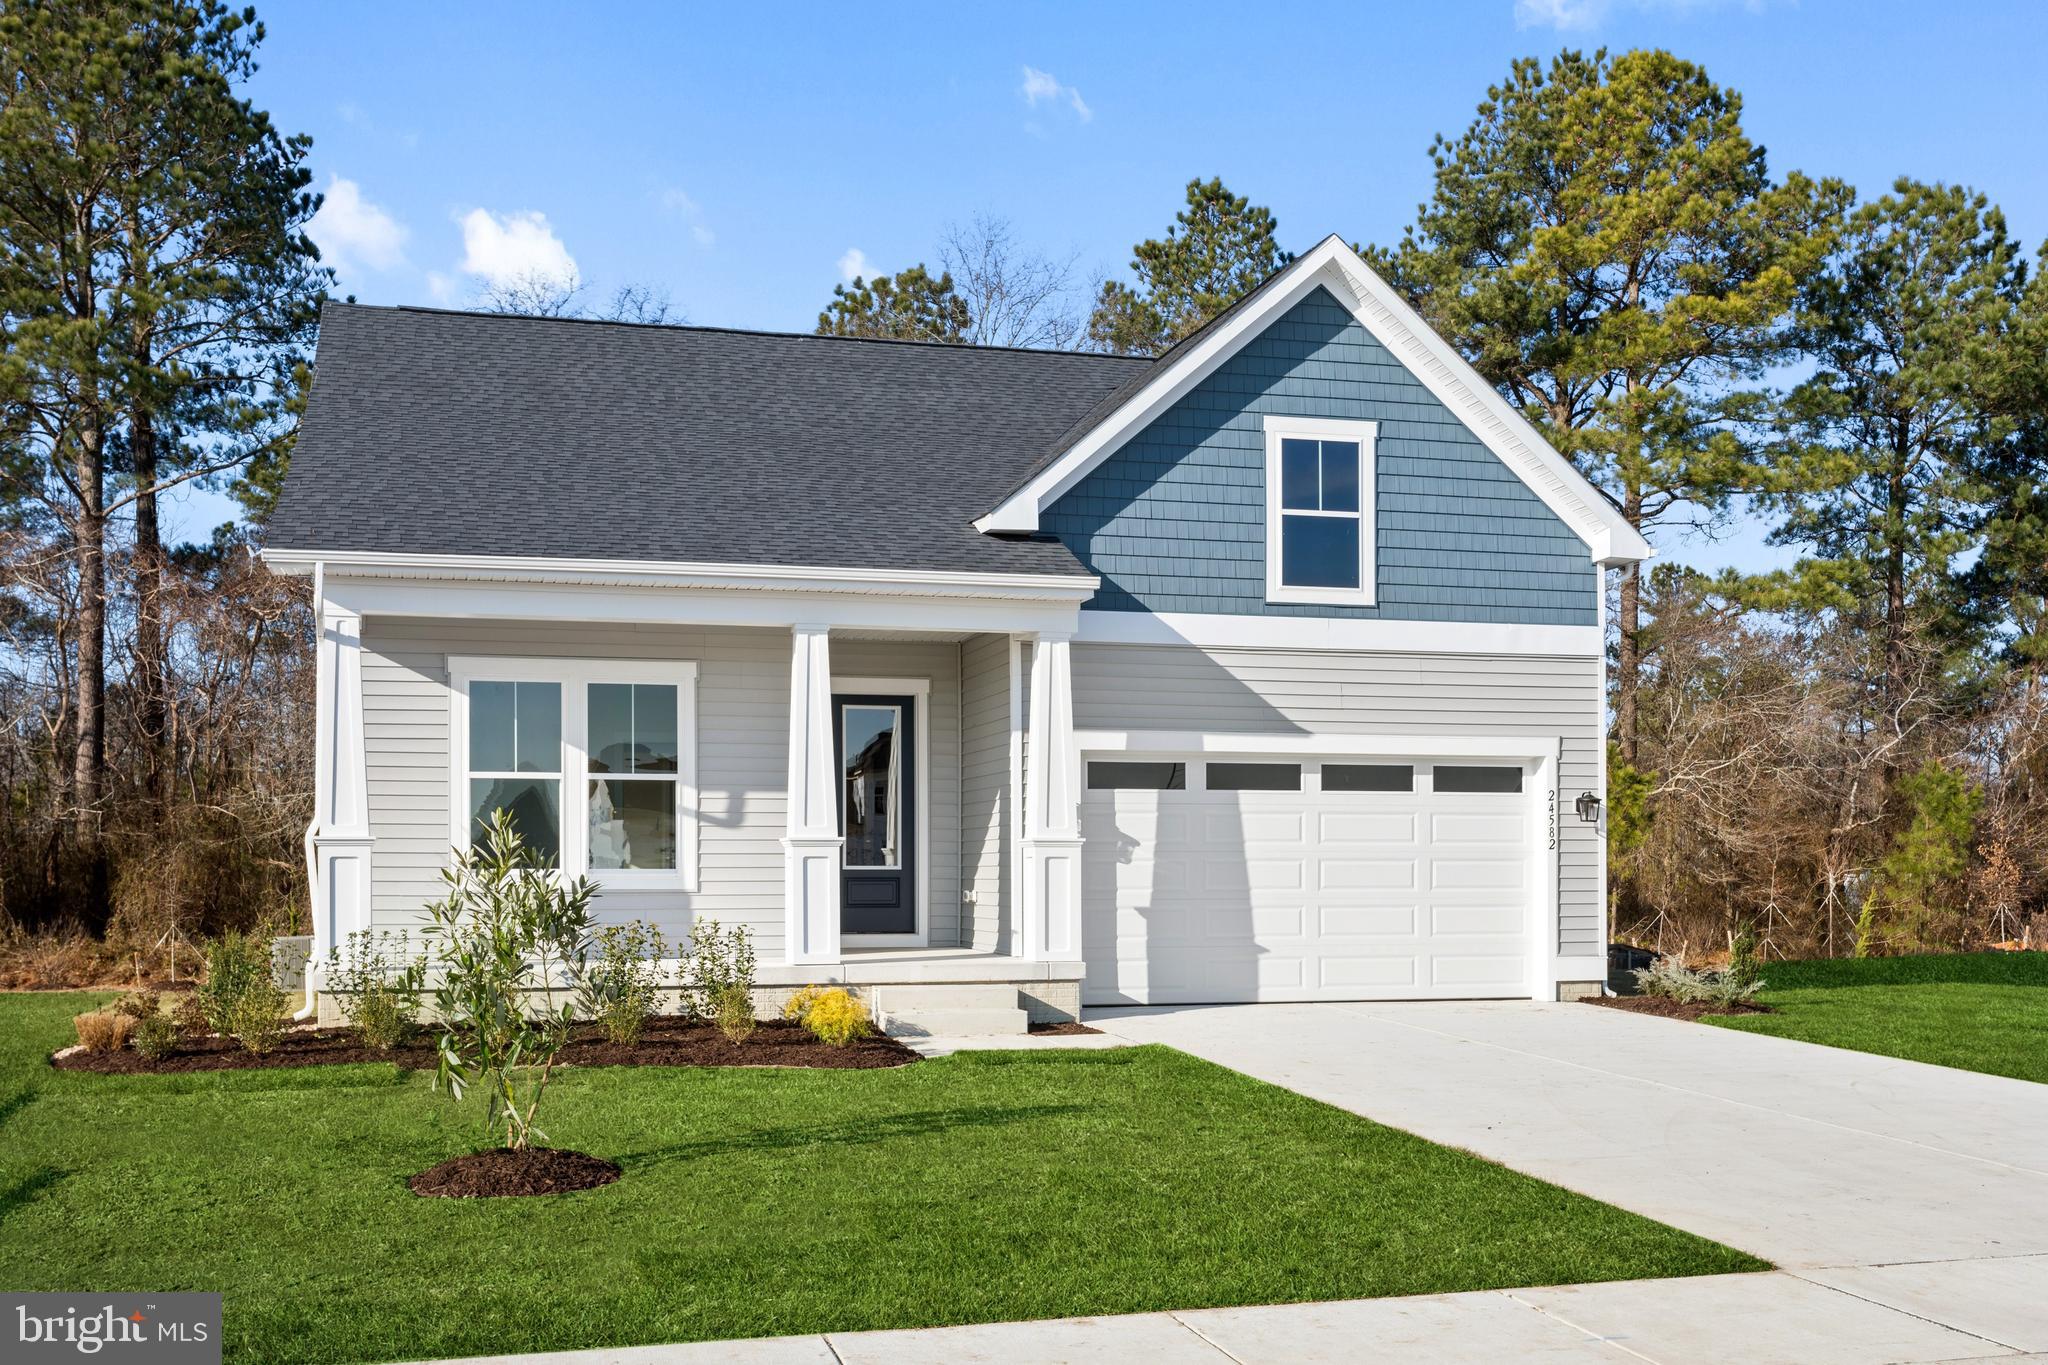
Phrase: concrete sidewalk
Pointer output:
(1768, 1319)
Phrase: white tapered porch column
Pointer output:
(1049, 928)
(811, 842)
(338, 842)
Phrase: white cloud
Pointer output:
(441, 286)
(854, 264)
(1580, 15)
(353, 233)
(515, 247)
(678, 203)
(1042, 87)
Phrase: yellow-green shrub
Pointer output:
(834, 1015)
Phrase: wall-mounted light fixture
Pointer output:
(1589, 808)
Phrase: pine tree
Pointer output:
(1878, 476)
(907, 306)
(158, 293)
(1220, 248)
(1606, 244)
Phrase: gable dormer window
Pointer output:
(1319, 510)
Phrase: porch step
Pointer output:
(949, 1011)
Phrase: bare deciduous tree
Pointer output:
(1014, 296)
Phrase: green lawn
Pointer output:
(755, 1202)
(1978, 1011)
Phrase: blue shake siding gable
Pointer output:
(1175, 520)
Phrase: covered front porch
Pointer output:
(903, 818)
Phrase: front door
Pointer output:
(876, 747)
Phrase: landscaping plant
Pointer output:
(140, 1003)
(733, 1013)
(378, 980)
(508, 934)
(256, 1019)
(621, 986)
(1670, 978)
(235, 962)
(721, 962)
(104, 1030)
(834, 1015)
(155, 1035)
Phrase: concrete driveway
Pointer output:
(1917, 1188)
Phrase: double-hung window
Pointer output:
(1319, 510)
(594, 761)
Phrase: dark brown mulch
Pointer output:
(1672, 1009)
(1064, 1028)
(502, 1171)
(666, 1042)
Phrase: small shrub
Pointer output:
(256, 1020)
(733, 1012)
(378, 981)
(1744, 966)
(142, 1003)
(190, 1015)
(721, 961)
(834, 1015)
(104, 1030)
(156, 1035)
(622, 987)
(1671, 978)
(234, 963)
(508, 929)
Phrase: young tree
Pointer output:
(1014, 297)
(907, 306)
(1907, 326)
(157, 290)
(1220, 248)
(1607, 245)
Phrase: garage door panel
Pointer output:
(1340, 828)
(1451, 920)
(1369, 921)
(1457, 828)
(1194, 896)
(1358, 874)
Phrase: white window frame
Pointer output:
(1365, 435)
(574, 676)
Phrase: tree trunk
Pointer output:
(151, 654)
(1896, 512)
(1628, 658)
(89, 761)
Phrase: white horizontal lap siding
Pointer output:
(940, 665)
(1281, 692)
(742, 739)
(985, 799)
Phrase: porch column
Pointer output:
(811, 842)
(1049, 928)
(338, 842)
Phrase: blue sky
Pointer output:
(744, 157)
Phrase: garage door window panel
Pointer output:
(1476, 779)
(1124, 776)
(1368, 777)
(1254, 777)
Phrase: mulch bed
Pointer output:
(502, 1171)
(1065, 1028)
(1673, 1009)
(666, 1042)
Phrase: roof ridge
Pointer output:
(733, 331)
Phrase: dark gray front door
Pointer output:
(876, 743)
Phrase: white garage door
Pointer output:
(1287, 879)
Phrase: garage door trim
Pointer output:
(1540, 754)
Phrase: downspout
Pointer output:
(312, 847)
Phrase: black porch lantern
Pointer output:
(1589, 808)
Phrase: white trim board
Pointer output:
(1433, 362)
(1349, 634)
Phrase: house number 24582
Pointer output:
(1551, 811)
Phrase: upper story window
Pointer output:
(595, 762)
(1319, 510)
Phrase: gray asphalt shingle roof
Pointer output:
(435, 432)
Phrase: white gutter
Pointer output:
(312, 1004)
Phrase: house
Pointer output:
(986, 680)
